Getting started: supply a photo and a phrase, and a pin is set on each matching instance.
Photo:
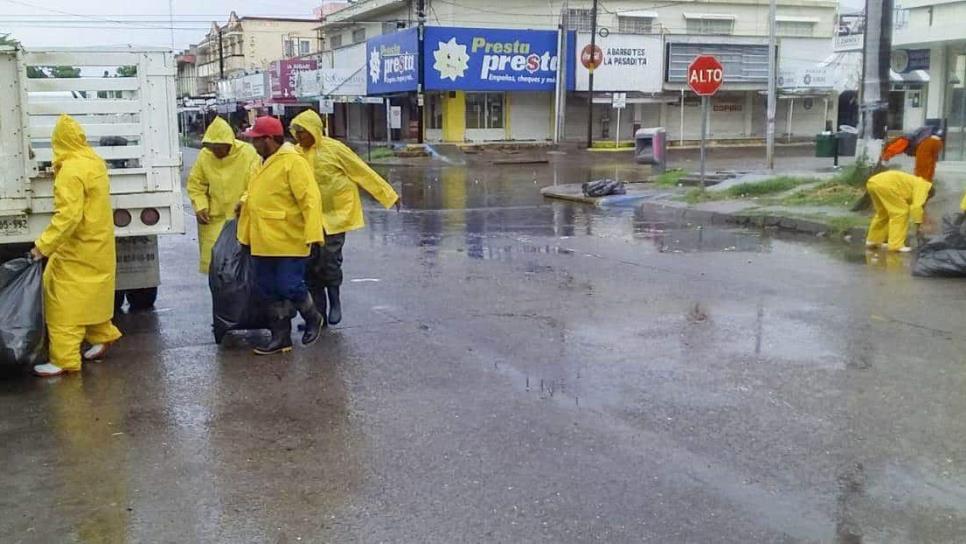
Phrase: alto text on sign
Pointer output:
(705, 75)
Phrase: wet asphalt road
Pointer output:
(514, 370)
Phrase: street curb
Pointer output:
(755, 220)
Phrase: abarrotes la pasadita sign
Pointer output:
(392, 62)
(485, 59)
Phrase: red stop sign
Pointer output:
(705, 75)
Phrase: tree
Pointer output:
(5, 39)
(127, 71)
(64, 71)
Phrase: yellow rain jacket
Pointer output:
(79, 242)
(339, 173)
(898, 197)
(282, 215)
(216, 185)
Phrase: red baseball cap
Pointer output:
(264, 127)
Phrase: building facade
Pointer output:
(245, 45)
(929, 38)
(187, 72)
(648, 39)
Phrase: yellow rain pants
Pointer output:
(897, 198)
(216, 185)
(66, 340)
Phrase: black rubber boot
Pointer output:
(335, 306)
(281, 341)
(318, 296)
(313, 321)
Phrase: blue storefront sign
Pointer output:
(907, 60)
(485, 59)
(392, 62)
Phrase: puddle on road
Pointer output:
(491, 211)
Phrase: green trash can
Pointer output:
(825, 145)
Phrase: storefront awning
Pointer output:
(914, 76)
(710, 16)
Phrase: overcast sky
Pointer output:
(39, 23)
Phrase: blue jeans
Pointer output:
(281, 278)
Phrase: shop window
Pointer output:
(710, 26)
(635, 25)
(795, 28)
(335, 41)
(484, 110)
(392, 26)
(359, 35)
(581, 20)
(434, 112)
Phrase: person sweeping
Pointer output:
(81, 260)
(217, 181)
(339, 173)
(898, 197)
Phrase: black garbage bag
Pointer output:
(603, 187)
(231, 277)
(23, 333)
(944, 255)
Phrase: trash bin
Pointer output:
(825, 145)
(650, 147)
(847, 142)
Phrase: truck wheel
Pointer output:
(142, 299)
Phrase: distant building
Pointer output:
(929, 40)
(188, 72)
(249, 44)
(646, 45)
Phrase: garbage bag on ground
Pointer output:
(231, 278)
(23, 333)
(944, 255)
(603, 187)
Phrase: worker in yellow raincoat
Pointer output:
(280, 219)
(79, 246)
(898, 197)
(339, 173)
(217, 181)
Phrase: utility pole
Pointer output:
(590, 80)
(772, 84)
(560, 96)
(420, 98)
(171, 18)
(877, 53)
(221, 56)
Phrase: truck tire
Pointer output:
(142, 299)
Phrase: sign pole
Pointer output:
(590, 77)
(772, 85)
(704, 136)
(617, 130)
(705, 76)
